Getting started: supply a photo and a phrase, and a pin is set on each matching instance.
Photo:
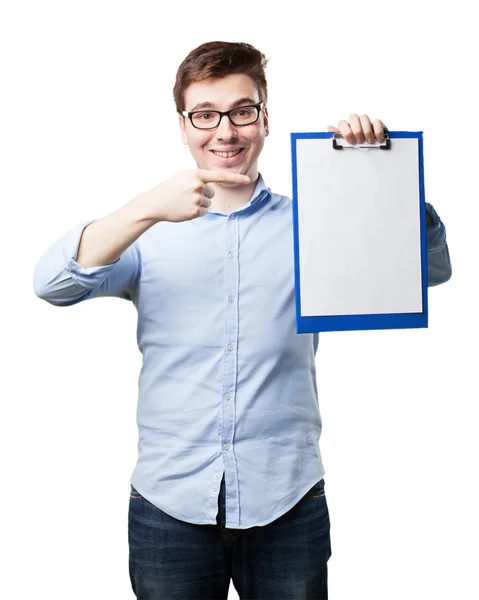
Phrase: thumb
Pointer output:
(332, 129)
(208, 191)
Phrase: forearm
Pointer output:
(105, 240)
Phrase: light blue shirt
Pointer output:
(226, 385)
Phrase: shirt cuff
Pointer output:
(90, 277)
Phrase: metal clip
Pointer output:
(386, 145)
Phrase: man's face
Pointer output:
(223, 94)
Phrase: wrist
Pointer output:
(141, 208)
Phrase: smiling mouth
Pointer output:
(227, 154)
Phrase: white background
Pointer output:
(87, 122)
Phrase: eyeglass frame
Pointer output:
(258, 107)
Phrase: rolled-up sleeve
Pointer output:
(439, 268)
(61, 281)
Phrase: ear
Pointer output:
(184, 138)
(266, 121)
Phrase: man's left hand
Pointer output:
(360, 129)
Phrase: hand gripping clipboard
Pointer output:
(359, 226)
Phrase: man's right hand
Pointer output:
(186, 195)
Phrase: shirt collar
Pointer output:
(260, 191)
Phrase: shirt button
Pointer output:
(230, 254)
(229, 347)
(231, 299)
(226, 446)
(217, 476)
(232, 217)
(228, 396)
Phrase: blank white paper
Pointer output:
(359, 228)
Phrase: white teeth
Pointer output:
(227, 154)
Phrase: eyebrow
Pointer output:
(201, 105)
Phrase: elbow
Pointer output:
(41, 291)
(57, 293)
(39, 286)
(42, 286)
(438, 280)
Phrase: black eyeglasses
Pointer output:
(209, 119)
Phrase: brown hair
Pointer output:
(218, 59)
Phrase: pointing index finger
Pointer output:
(208, 176)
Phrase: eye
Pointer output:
(243, 112)
(203, 116)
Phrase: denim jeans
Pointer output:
(174, 560)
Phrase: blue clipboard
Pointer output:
(341, 192)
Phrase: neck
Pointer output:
(228, 199)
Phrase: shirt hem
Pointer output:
(227, 525)
(281, 512)
(171, 513)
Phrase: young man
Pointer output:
(229, 479)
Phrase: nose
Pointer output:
(226, 129)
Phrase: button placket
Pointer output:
(231, 337)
